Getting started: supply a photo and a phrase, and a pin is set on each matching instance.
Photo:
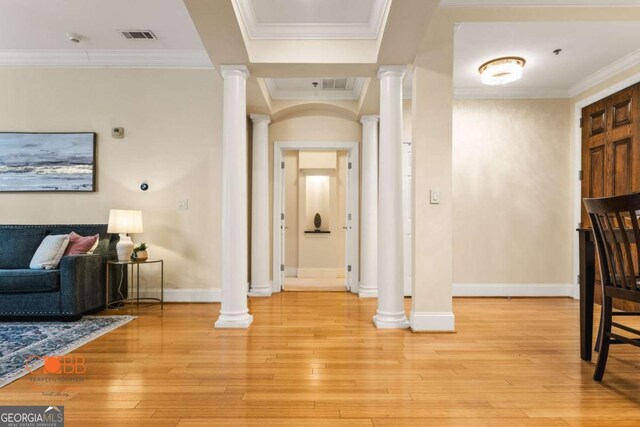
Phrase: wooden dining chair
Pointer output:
(617, 235)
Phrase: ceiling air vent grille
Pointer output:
(139, 35)
(340, 84)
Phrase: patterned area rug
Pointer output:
(25, 345)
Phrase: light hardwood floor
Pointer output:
(315, 359)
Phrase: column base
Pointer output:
(440, 321)
(365, 291)
(240, 321)
(261, 291)
(391, 320)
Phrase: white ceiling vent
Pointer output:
(315, 87)
(139, 35)
(340, 84)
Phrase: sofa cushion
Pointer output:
(20, 280)
(17, 246)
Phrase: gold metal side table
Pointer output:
(135, 268)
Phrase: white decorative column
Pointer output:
(369, 229)
(234, 312)
(260, 285)
(390, 312)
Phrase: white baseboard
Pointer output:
(513, 290)
(459, 290)
(320, 273)
(439, 321)
(185, 295)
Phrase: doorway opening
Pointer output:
(315, 220)
(316, 213)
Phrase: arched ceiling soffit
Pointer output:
(314, 108)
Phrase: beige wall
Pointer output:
(511, 191)
(317, 125)
(321, 251)
(324, 251)
(406, 120)
(172, 121)
(432, 100)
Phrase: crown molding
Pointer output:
(606, 73)
(509, 93)
(353, 94)
(321, 31)
(105, 58)
(538, 3)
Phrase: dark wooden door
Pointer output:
(611, 150)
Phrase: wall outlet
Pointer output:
(435, 197)
(182, 204)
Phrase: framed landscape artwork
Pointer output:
(35, 162)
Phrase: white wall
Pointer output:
(172, 121)
(511, 192)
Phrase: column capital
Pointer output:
(259, 118)
(372, 118)
(392, 71)
(234, 70)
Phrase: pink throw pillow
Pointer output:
(79, 245)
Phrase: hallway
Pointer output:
(313, 359)
(297, 284)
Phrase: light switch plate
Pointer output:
(435, 197)
(182, 204)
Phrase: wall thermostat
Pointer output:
(117, 133)
(144, 186)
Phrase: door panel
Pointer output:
(598, 122)
(621, 166)
(610, 152)
(622, 113)
(597, 173)
(594, 152)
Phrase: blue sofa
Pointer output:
(77, 287)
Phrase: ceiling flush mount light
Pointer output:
(501, 71)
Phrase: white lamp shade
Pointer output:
(125, 221)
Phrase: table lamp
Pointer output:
(124, 222)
